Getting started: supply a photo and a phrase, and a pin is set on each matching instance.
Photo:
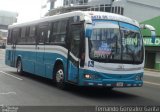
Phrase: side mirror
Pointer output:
(152, 29)
(153, 35)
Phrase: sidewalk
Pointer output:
(152, 70)
(152, 73)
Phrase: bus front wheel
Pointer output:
(19, 66)
(59, 77)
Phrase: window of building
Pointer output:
(81, 2)
(102, 8)
(92, 9)
(107, 9)
(116, 9)
(119, 10)
(113, 10)
(85, 1)
(122, 10)
(96, 9)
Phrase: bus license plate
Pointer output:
(119, 84)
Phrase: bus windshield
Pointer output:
(115, 42)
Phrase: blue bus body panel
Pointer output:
(37, 64)
(46, 70)
(104, 79)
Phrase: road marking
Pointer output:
(10, 75)
(152, 83)
(7, 93)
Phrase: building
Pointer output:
(150, 9)
(73, 5)
(6, 19)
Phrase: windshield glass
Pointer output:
(115, 42)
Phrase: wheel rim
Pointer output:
(19, 67)
(59, 75)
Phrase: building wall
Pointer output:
(136, 8)
(74, 2)
(6, 18)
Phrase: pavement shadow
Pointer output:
(88, 92)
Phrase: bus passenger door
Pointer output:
(73, 54)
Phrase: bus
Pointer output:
(84, 48)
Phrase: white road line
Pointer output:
(10, 75)
(8, 93)
(152, 83)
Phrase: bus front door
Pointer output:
(73, 54)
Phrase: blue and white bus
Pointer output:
(95, 49)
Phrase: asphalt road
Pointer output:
(28, 90)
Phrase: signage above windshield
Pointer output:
(113, 17)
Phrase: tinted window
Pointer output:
(32, 35)
(22, 39)
(42, 33)
(9, 39)
(59, 32)
(15, 35)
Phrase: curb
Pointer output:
(153, 70)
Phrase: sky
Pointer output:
(26, 9)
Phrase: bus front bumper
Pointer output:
(113, 83)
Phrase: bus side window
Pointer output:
(22, 39)
(15, 35)
(59, 32)
(42, 33)
(9, 40)
(32, 35)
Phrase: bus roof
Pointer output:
(84, 15)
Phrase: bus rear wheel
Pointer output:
(19, 67)
(59, 77)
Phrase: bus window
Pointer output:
(15, 35)
(42, 33)
(22, 39)
(75, 40)
(9, 40)
(59, 32)
(32, 35)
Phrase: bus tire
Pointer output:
(59, 77)
(19, 67)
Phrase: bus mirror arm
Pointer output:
(152, 30)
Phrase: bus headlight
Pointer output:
(87, 76)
